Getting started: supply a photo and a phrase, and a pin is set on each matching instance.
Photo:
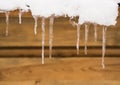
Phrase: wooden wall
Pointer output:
(22, 36)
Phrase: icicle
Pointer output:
(35, 25)
(104, 45)
(65, 15)
(95, 32)
(78, 38)
(72, 22)
(43, 38)
(86, 37)
(51, 36)
(20, 15)
(7, 22)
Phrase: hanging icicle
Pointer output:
(43, 38)
(65, 15)
(51, 36)
(20, 15)
(7, 22)
(72, 22)
(78, 38)
(95, 32)
(35, 25)
(104, 45)
(86, 37)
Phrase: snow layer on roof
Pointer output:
(103, 12)
(10, 5)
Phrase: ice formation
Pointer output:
(95, 32)
(104, 45)
(102, 12)
(86, 36)
(78, 38)
(10, 5)
(7, 22)
(43, 38)
(51, 36)
(20, 15)
(35, 25)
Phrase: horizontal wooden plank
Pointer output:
(64, 34)
(59, 51)
(57, 70)
(59, 82)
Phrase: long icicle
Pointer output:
(7, 22)
(43, 38)
(86, 37)
(78, 38)
(20, 15)
(95, 32)
(35, 25)
(51, 36)
(104, 45)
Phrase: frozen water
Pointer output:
(51, 36)
(86, 36)
(35, 25)
(97, 11)
(7, 22)
(11, 5)
(43, 38)
(20, 15)
(95, 32)
(104, 45)
(78, 38)
(73, 22)
(46, 8)
(94, 11)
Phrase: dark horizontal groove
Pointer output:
(60, 56)
(55, 47)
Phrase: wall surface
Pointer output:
(21, 36)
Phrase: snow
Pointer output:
(46, 8)
(103, 12)
(11, 5)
